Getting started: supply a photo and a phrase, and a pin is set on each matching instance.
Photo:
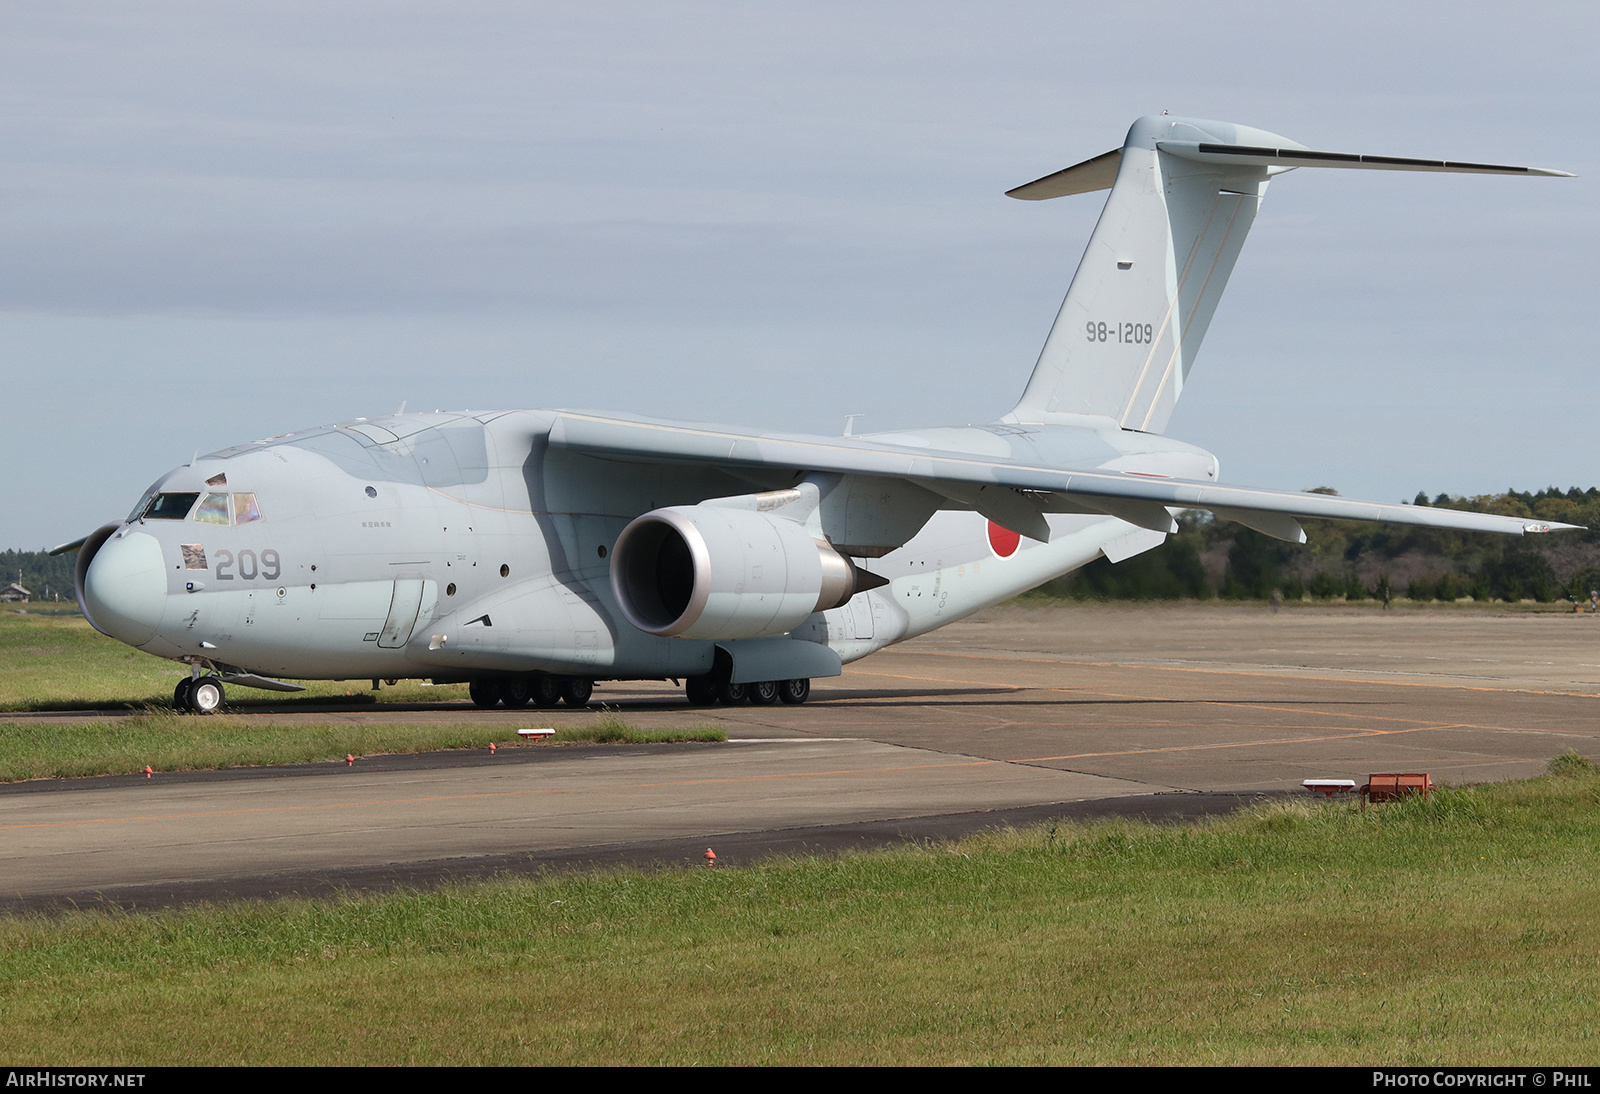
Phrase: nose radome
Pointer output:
(125, 588)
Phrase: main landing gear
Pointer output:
(705, 691)
(519, 691)
(199, 695)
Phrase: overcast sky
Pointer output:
(221, 221)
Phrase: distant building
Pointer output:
(15, 594)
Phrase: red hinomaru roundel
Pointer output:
(1003, 540)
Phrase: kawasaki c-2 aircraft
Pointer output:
(532, 553)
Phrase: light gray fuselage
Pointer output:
(449, 545)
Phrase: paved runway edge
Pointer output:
(733, 849)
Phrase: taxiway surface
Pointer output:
(1015, 715)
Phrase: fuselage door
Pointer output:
(402, 611)
(861, 616)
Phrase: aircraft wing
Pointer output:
(990, 485)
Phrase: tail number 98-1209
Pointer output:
(250, 566)
(1138, 334)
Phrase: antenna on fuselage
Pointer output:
(402, 409)
(850, 424)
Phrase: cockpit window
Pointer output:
(213, 510)
(245, 509)
(138, 510)
(169, 506)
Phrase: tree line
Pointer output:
(1356, 561)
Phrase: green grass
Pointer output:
(180, 742)
(1456, 930)
(609, 728)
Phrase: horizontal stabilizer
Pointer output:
(1208, 152)
(1081, 178)
(66, 547)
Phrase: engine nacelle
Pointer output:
(700, 571)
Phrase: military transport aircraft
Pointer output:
(532, 553)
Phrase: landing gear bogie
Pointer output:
(575, 691)
(545, 691)
(516, 692)
(794, 692)
(485, 692)
(705, 691)
(701, 691)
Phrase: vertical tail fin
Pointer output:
(1149, 281)
(1184, 193)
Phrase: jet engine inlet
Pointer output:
(699, 571)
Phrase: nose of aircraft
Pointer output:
(125, 588)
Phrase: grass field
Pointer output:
(1457, 930)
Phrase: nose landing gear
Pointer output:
(199, 695)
